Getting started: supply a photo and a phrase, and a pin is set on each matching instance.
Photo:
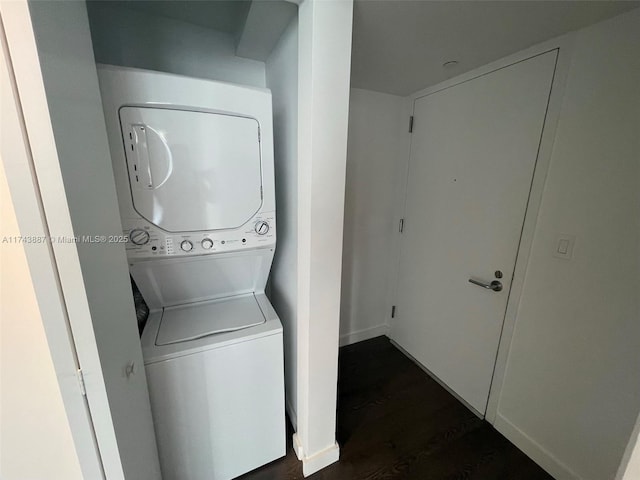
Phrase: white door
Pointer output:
(473, 154)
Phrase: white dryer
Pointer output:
(193, 164)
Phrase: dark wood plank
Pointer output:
(396, 423)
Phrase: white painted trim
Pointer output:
(565, 46)
(18, 164)
(324, 58)
(320, 460)
(364, 334)
(297, 446)
(400, 189)
(24, 54)
(18, 19)
(542, 457)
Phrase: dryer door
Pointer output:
(192, 171)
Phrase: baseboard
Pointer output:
(318, 461)
(365, 334)
(534, 450)
(297, 447)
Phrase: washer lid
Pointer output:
(196, 320)
(192, 171)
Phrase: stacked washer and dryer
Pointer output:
(193, 164)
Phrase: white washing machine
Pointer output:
(193, 164)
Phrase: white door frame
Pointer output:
(564, 45)
(16, 152)
(67, 317)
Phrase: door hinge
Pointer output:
(411, 124)
(393, 312)
(401, 226)
(80, 376)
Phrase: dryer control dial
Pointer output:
(207, 243)
(139, 236)
(262, 227)
(186, 246)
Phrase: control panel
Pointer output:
(147, 241)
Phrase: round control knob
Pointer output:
(139, 236)
(186, 245)
(207, 243)
(262, 227)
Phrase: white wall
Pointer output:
(36, 439)
(571, 394)
(376, 155)
(282, 79)
(324, 58)
(129, 38)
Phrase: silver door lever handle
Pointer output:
(496, 285)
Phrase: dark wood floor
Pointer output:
(395, 422)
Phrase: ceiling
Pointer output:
(400, 46)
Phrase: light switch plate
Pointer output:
(564, 246)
